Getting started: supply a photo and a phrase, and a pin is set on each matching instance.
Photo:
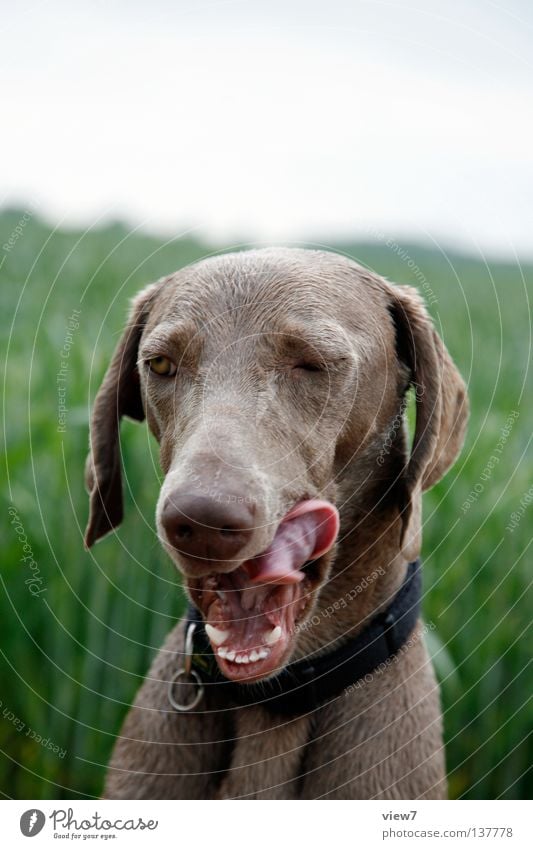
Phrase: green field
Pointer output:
(78, 629)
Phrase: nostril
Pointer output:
(184, 531)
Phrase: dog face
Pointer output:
(270, 379)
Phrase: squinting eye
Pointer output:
(162, 366)
(306, 367)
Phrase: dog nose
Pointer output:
(206, 528)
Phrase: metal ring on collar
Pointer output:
(186, 672)
(196, 681)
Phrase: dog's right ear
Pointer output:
(119, 395)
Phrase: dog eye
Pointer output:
(162, 366)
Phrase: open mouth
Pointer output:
(251, 613)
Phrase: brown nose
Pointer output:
(207, 528)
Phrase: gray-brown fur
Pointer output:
(235, 420)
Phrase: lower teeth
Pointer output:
(254, 655)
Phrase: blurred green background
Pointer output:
(72, 656)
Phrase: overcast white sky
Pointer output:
(277, 120)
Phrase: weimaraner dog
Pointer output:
(275, 382)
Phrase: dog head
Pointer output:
(274, 380)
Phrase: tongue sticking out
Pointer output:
(305, 533)
(251, 612)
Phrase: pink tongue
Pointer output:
(306, 532)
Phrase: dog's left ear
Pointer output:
(441, 400)
(119, 395)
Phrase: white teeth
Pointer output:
(216, 636)
(271, 637)
(254, 655)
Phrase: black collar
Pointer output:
(305, 684)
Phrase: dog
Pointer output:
(276, 383)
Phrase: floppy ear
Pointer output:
(441, 400)
(119, 395)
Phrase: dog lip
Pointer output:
(252, 611)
